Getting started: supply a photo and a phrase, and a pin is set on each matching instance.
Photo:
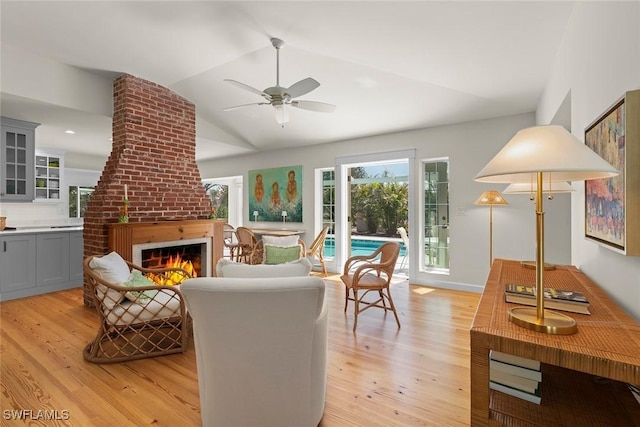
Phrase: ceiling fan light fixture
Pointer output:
(279, 96)
(281, 113)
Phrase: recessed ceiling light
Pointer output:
(366, 82)
(69, 131)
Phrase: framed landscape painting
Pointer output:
(611, 202)
(275, 191)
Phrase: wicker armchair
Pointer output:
(230, 240)
(365, 274)
(135, 323)
(316, 250)
(246, 244)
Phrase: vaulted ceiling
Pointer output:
(387, 66)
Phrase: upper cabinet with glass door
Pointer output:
(48, 171)
(17, 160)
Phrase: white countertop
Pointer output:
(41, 229)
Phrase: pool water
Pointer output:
(359, 246)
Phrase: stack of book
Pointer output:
(556, 299)
(516, 376)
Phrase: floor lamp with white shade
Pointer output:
(543, 154)
(491, 198)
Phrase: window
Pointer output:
(219, 195)
(329, 200)
(78, 199)
(436, 215)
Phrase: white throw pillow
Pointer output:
(281, 241)
(227, 268)
(113, 269)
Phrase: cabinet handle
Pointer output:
(4, 246)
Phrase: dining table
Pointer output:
(266, 231)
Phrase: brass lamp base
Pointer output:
(532, 265)
(554, 323)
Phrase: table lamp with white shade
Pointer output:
(550, 188)
(544, 154)
(530, 188)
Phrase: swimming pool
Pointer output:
(359, 246)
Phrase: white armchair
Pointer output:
(261, 349)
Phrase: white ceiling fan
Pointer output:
(280, 97)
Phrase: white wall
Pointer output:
(469, 147)
(599, 61)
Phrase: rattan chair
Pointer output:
(316, 249)
(136, 328)
(230, 240)
(364, 274)
(246, 244)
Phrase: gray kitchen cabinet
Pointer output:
(17, 258)
(76, 256)
(52, 259)
(38, 262)
(17, 156)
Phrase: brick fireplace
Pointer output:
(153, 154)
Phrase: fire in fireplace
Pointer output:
(191, 255)
(187, 257)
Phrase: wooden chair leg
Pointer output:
(346, 298)
(324, 267)
(355, 312)
(384, 304)
(393, 307)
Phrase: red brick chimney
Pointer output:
(154, 148)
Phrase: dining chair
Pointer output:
(230, 240)
(246, 244)
(365, 274)
(316, 249)
(405, 240)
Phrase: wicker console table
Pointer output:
(584, 375)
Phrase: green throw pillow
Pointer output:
(137, 279)
(280, 255)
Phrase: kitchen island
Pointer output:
(39, 259)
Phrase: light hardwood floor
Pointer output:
(380, 376)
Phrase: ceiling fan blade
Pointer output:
(314, 106)
(249, 88)
(244, 105)
(302, 87)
